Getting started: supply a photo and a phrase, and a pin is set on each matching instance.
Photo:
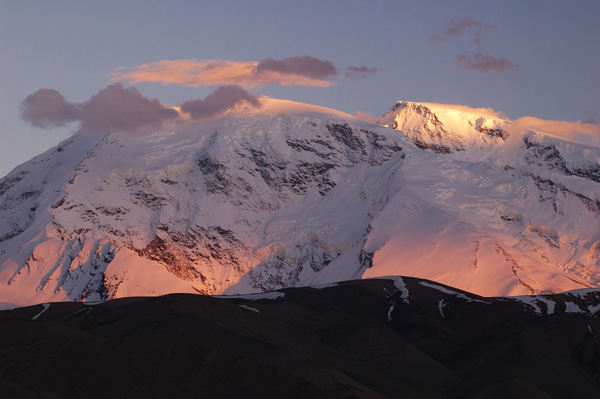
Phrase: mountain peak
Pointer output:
(289, 194)
(445, 128)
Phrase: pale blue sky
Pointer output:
(72, 46)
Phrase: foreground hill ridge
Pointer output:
(433, 341)
(292, 195)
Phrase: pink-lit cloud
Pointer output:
(220, 100)
(361, 72)
(461, 26)
(292, 71)
(47, 108)
(485, 112)
(363, 116)
(485, 63)
(588, 133)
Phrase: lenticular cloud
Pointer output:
(303, 70)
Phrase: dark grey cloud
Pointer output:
(120, 108)
(47, 108)
(485, 63)
(460, 26)
(303, 65)
(114, 107)
(360, 72)
(220, 100)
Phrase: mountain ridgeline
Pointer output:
(295, 195)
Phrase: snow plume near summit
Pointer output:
(125, 109)
(588, 133)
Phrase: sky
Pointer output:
(531, 58)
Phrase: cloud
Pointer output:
(220, 100)
(47, 108)
(292, 71)
(485, 112)
(360, 72)
(485, 63)
(588, 133)
(458, 27)
(469, 61)
(363, 116)
(303, 65)
(114, 107)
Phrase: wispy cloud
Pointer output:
(292, 71)
(485, 63)
(363, 116)
(473, 61)
(461, 26)
(361, 72)
(220, 100)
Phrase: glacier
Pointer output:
(292, 194)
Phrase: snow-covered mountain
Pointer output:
(291, 194)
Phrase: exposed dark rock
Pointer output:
(591, 171)
(344, 134)
(494, 132)
(10, 180)
(180, 252)
(545, 155)
(305, 174)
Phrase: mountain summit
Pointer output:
(291, 194)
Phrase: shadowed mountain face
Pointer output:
(378, 338)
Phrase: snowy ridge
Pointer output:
(294, 195)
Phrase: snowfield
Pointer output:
(294, 195)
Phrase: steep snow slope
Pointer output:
(292, 194)
(524, 200)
